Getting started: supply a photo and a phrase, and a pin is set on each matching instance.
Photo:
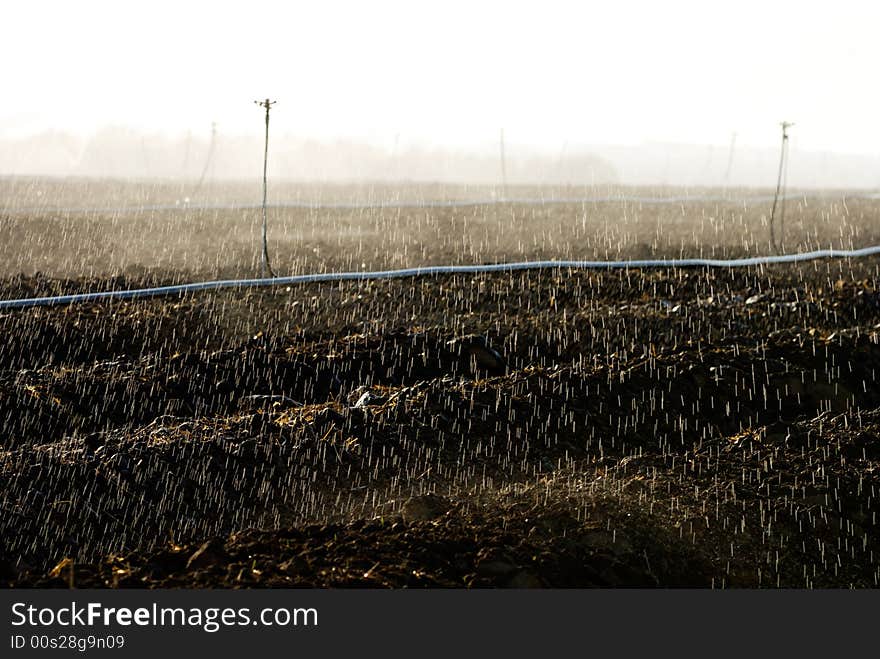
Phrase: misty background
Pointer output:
(125, 153)
(627, 92)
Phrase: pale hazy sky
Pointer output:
(450, 73)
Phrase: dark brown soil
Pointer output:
(617, 428)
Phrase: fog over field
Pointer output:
(635, 93)
(120, 152)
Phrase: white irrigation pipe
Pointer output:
(379, 205)
(435, 270)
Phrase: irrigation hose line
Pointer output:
(435, 270)
(454, 203)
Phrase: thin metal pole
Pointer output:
(209, 159)
(503, 168)
(186, 152)
(730, 153)
(782, 201)
(782, 153)
(266, 268)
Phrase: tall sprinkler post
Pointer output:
(186, 152)
(783, 161)
(266, 268)
(730, 152)
(209, 159)
(503, 166)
